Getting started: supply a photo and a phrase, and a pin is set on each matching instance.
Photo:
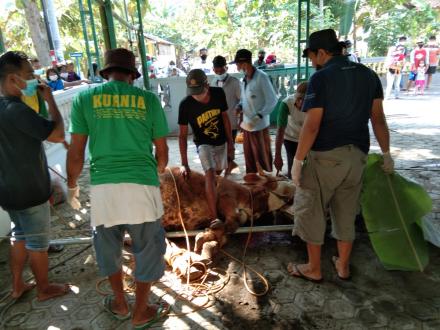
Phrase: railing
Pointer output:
(172, 90)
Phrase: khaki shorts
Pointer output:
(213, 157)
(331, 181)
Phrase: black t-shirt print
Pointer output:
(24, 175)
(205, 119)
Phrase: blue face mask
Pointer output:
(31, 87)
(39, 72)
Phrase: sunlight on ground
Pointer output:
(420, 131)
(414, 154)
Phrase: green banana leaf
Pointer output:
(392, 208)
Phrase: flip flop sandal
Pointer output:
(107, 303)
(162, 311)
(334, 259)
(295, 272)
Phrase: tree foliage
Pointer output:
(224, 26)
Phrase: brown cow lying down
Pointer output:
(235, 202)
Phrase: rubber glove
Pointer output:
(388, 163)
(72, 198)
(296, 171)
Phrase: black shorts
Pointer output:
(431, 69)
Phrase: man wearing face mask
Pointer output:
(203, 64)
(260, 63)
(258, 99)
(123, 122)
(205, 110)
(394, 63)
(38, 69)
(25, 181)
(231, 87)
(340, 100)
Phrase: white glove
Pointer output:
(72, 198)
(388, 163)
(296, 171)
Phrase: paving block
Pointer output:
(349, 325)
(431, 325)
(421, 311)
(339, 309)
(65, 305)
(289, 311)
(404, 322)
(85, 312)
(370, 318)
(283, 295)
(310, 301)
(104, 321)
(355, 297)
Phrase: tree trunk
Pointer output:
(2, 42)
(37, 30)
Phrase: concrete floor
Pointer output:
(375, 298)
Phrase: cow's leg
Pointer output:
(208, 242)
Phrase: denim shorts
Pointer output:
(148, 247)
(213, 157)
(32, 221)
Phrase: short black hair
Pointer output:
(432, 37)
(402, 38)
(54, 70)
(11, 62)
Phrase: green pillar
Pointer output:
(142, 48)
(84, 14)
(108, 26)
(303, 33)
(2, 43)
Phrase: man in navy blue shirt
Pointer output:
(341, 98)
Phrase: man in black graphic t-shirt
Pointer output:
(205, 110)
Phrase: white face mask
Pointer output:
(221, 76)
(53, 78)
(242, 71)
(64, 75)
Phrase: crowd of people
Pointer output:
(419, 64)
(59, 76)
(324, 127)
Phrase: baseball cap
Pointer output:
(219, 61)
(242, 55)
(323, 39)
(196, 81)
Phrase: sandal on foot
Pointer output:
(162, 311)
(107, 303)
(334, 260)
(294, 271)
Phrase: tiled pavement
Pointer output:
(375, 298)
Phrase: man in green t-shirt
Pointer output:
(122, 123)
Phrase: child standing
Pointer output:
(420, 78)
